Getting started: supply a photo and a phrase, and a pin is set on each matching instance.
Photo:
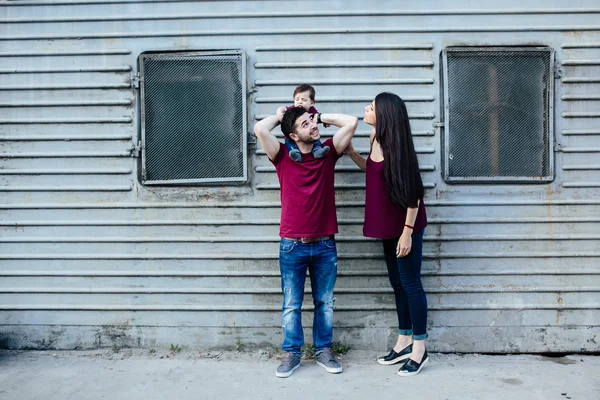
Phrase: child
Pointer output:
(304, 96)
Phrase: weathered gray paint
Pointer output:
(90, 257)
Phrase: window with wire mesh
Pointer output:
(193, 117)
(498, 118)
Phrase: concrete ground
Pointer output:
(143, 374)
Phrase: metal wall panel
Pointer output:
(89, 257)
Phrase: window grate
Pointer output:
(498, 114)
(193, 110)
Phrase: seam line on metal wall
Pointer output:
(61, 138)
(580, 80)
(271, 291)
(95, 120)
(339, 168)
(67, 154)
(275, 239)
(318, 31)
(68, 87)
(112, 171)
(296, 14)
(275, 221)
(125, 188)
(283, 100)
(574, 132)
(337, 64)
(328, 134)
(580, 62)
(581, 184)
(583, 45)
(306, 307)
(322, 47)
(337, 186)
(224, 256)
(581, 149)
(119, 68)
(65, 53)
(259, 117)
(574, 97)
(418, 150)
(341, 204)
(125, 102)
(581, 115)
(581, 167)
(433, 272)
(402, 81)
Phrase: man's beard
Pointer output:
(308, 140)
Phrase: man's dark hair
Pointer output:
(288, 122)
(305, 88)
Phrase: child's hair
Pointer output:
(305, 88)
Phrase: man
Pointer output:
(307, 229)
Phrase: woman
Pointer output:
(395, 213)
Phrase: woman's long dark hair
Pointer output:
(392, 131)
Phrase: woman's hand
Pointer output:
(404, 243)
(349, 149)
(356, 157)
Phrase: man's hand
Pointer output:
(347, 125)
(267, 140)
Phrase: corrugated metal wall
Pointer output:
(89, 257)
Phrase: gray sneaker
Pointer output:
(288, 365)
(327, 360)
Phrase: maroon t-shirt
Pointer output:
(384, 219)
(307, 193)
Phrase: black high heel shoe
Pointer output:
(394, 358)
(412, 367)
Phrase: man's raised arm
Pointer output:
(347, 125)
(267, 140)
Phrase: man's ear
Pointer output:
(294, 136)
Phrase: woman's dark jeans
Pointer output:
(405, 277)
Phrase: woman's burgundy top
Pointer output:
(383, 219)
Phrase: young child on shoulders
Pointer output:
(304, 96)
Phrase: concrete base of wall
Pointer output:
(502, 340)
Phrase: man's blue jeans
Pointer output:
(320, 258)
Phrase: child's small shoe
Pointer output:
(320, 152)
(296, 155)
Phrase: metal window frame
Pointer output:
(446, 115)
(205, 181)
